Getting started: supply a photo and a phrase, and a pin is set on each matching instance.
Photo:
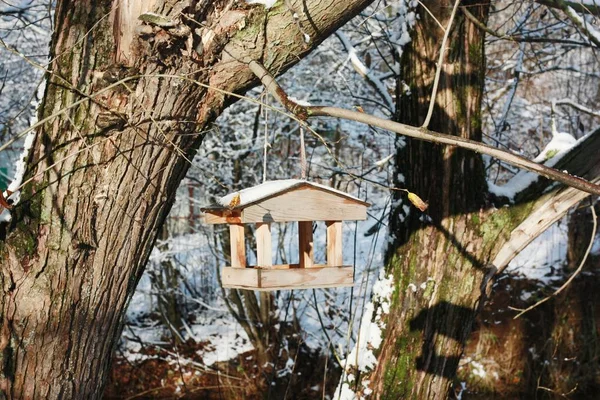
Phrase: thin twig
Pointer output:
(331, 345)
(302, 155)
(432, 16)
(304, 112)
(438, 70)
(577, 271)
(577, 106)
(517, 38)
(363, 70)
(266, 145)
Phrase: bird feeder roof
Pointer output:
(287, 200)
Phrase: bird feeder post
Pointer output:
(334, 244)
(264, 257)
(237, 245)
(305, 244)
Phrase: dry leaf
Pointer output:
(3, 202)
(359, 109)
(234, 202)
(417, 202)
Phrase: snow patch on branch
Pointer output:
(267, 3)
(303, 103)
(591, 30)
(560, 145)
(561, 141)
(365, 71)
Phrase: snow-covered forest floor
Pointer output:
(189, 337)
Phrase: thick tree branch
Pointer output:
(547, 211)
(581, 160)
(304, 112)
(590, 33)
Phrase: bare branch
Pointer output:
(589, 32)
(577, 106)
(518, 39)
(303, 112)
(570, 9)
(364, 71)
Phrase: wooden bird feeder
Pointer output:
(288, 200)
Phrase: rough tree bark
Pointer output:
(442, 264)
(82, 233)
(445, 257)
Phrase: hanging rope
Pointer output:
(553, 118)
(266, 145)
(302, 155)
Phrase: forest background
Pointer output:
(522, 77)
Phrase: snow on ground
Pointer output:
(222, 336)
(226, 337)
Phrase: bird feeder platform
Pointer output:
(290, 200)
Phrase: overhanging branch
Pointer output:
(304, 112)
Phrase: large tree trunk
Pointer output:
(438, 263)
(83, 231)
(442, 264)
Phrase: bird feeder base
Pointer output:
(287, 277)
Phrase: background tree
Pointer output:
(440, 263)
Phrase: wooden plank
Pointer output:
(286, 266)
(237, 245)
(264, 256)
(306, 278)
(305, 244)
(280, 279)
(280, 266)
(221, 217)
(304, 204)
(334, 243)
(243, 278)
